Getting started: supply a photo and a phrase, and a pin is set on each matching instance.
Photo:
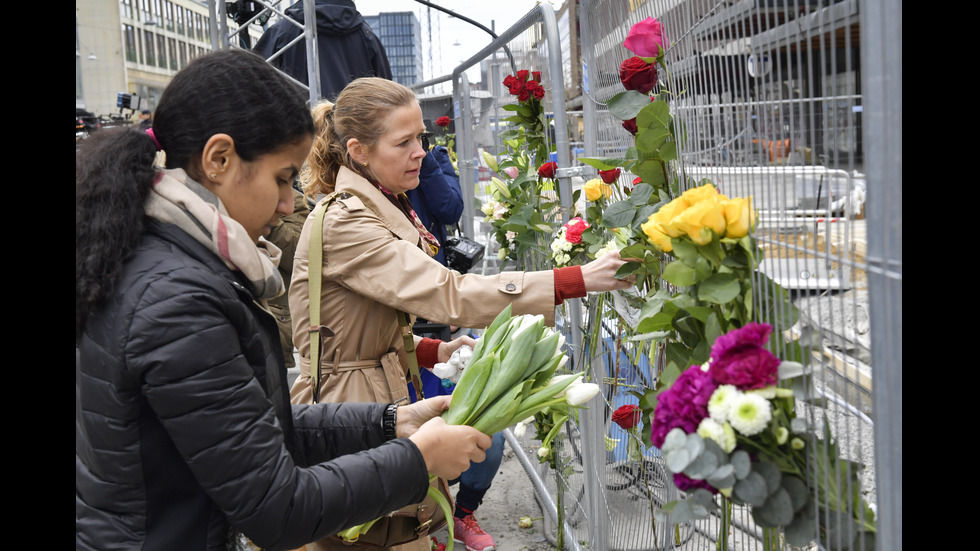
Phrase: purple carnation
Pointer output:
(740, 358)
(685, 483)
(682, 405)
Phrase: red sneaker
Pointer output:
(469, 533)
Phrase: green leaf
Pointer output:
(649, 142)
(641, 194)
(619, 214)
(603, 163)
(796, 489)
(679, 274)
(651, 172)
(742, 462)
(626, 105)
(719, 289)
(655, 114)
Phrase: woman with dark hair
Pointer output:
(184, 435)
(377, 262)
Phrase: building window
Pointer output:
(129, 38)
(179, 16)
(148, 48)
(145, 14)
(172, 50)
(161, 51)
(168, 15)
(127, 8)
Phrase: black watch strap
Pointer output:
(388, 421)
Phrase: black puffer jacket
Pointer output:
(347, 48)
(183, 429)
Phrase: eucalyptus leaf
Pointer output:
(742, 463)
(722, 477)
(674, 440)
(703, 498)
(752, 489)
(801, 531)
(702, 466)
(770, 472)
(678, 460)
(682, 513)
(797, 491)
(778, 509)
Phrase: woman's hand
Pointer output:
(448, 449)
(598, 275)
(409, 418)
(446, 349)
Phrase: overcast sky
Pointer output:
(458, 39)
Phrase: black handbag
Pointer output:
(462, 253)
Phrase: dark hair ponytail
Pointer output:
(234, 92)
(113, 175)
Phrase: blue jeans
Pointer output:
(475, 481)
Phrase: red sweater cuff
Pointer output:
(427, 352)
(569, 283)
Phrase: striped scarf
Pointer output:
(405, 205)
(177, 199)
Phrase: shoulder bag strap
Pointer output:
(317, 331)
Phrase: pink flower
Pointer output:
(685, 483)
(512, 172)
(646, 38)
(627, 416)
(739, 358)
(574, 229)
(684, 405)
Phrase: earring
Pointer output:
(365, 163)
(212, 175)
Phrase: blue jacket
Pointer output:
(438, 200)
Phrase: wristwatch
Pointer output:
(388, 421)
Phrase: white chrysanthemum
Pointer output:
(609, 247)
(720, 403)
(722, 434)
(750, 414)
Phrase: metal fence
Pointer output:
(771, 94)
(796, 103)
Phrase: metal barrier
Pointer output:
(792, 102)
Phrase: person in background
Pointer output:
(146, 119)
(377, 257)
(184, 435)
(347, 48)
(284, 235)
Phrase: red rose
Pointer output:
(531, 85)
(522, 75)
(538, 92)
(442, 121)
(637, 181)
(627, 416)
(509, 81)
(638, 75)
(516, 88)
(523, 95)
(609, 176)
(631, 126)
(536, 75)
(547, 170)
(574, 229)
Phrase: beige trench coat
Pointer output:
(373, 266)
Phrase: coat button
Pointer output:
(511, 287)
